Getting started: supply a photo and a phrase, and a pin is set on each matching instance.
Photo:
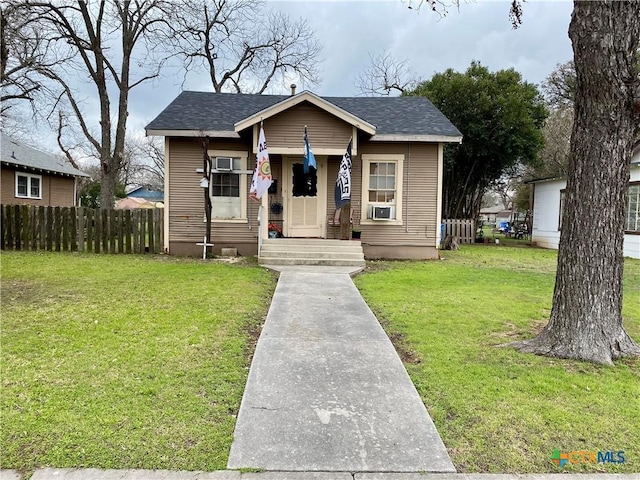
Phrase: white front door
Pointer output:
(306, 198)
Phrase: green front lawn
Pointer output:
(124, 361)
(140, 362)
(498, 410)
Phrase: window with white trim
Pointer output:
(28, 185)
(382, 188)
(632, 220)
(228, 189)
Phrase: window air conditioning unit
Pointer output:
(224, 164)
(383, 213)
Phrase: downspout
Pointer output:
(406, 201)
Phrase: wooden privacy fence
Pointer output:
(464, 230)
(79, 229)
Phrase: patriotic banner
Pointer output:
(262, 175)
(343, 183)
(309, 158)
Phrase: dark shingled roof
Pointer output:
(220, 111)
(14, 152)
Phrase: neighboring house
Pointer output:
(396, 175)
(488, 214)
(31, 177)
(147, 193)
(132, 203)
(548, 201)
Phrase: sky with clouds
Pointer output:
(351, 31)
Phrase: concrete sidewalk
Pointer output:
(327, 392)
(95, 474)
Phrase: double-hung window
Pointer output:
(228, 186)
(382, 187)
(632, 220)
(28, 185)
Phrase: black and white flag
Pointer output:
(343, 183)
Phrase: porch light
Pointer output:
(204, 182)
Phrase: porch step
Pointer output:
(311, 251)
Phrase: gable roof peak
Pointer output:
(298, 98)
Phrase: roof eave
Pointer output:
(151, 132)
(313, 99)
(392, 137)
(44, 170)
(544, 179)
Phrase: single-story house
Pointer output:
(29, 176)
(548, 200)
(397, 155)
(488, 214)
(147, 193)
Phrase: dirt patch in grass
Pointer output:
(18, 291)
(406, 353)
(401, 344)
(252, 330)
(513, 332)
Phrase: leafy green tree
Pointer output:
(90, 194)
(559, 87)
(500, 117)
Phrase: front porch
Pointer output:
(311, 251)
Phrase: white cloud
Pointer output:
(476, 31)
(349, 31)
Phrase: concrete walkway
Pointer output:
(95, 474)
(327, 392)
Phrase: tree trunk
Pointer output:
(108, 180)
(586, 318)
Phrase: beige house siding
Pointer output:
(412, 236)
(186, 202)
(56, 191)
(286, 130)
(416, 237)
(419, 196)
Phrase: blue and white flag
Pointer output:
(343, 183)
(262, 175)
(309, 158)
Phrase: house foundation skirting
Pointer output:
(399, 252)
(190, 249)
(390, 252)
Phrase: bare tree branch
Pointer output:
(442, 7)
(86, 33)
(385, 75)
(66, 151)
(221, 38)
